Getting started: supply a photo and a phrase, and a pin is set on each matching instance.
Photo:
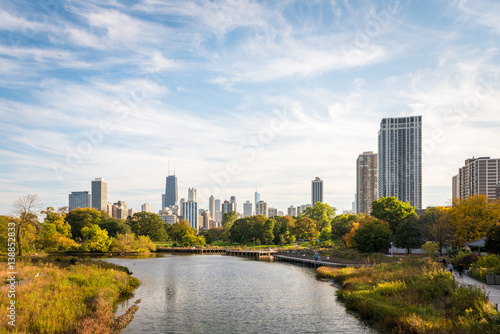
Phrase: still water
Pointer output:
(221, 294)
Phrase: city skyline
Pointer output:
(240, 94)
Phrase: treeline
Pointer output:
(390, 221)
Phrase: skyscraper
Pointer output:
(217, 205)
(211, 206)
(292, 211)
(192, 195)
(247, 209)
(400, 159)
(261, 209)
(317, 190)
(366, 181)
(170, 197)
(257, 200)
(100, 194)
(226, 207)
(146, 207)
(79, 199)
(233, 202)
(190, 213)
(181, 206)
(478, 176)
(272, 212)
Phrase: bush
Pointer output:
(467, 260)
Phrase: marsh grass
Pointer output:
(414, 297)
(65, 298)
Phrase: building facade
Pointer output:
(257, 200)
(232, 200)
(261, 208)
(272, 212)
(171, 196)
(366, 181)
(292, 211)
(211, 206)
(400, 159)
(79, 199)
(100, 194)
(316, 190)
(478, 176)
(190, 213)
(247, 209)
(146, 207)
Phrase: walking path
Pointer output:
(492, 290)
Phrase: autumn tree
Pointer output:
(55, 231)
(321, 213)
(26, 208)
(83, 217)
(342, 224)
(473, 217)
(392, 211)
(96, 239)
(185, 235)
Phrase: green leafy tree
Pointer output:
(322, 214)
(438, 227)
(115, 226)
(180, 230)
(267, 231)
(373, 235)
(8, 228)
(342, 224)
(96, 240)
(227, 221)
(26, 228)
(83, 217)
(149, 224)
(216, 234)
(283, 230)
(473, 217)
(392, 211)
(492, 243)
(305, 228)
(409, 234)
(58, 220)
(55, 232)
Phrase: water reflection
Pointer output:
(223, 294)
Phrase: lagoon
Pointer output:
(223, 294)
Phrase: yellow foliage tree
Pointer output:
(473, 217)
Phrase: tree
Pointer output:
(372, 236)
(342, 224)
(56, 232)
(305, 228)
(283, 230)
(473, 217)
(149, 224)
(322, 213)
(492, 243)
(115, 226)
(8, 226)
(26, 207)
(181, 230)
(126, 243)
(83, 217)
(409, 234)
(216, 234)
(392, 211)
(96, 240)
(438, 226)
(227, 221)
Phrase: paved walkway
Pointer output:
(492, 290)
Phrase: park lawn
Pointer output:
(416, 296)
(65, 298)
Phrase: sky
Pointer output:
(240, 94)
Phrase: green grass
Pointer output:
(66, 298)
(414, 297)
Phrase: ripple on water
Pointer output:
(221, 294)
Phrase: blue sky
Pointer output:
(240, 94)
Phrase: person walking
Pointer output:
(450, 267)
(460, 269)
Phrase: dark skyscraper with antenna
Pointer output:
(170, 197)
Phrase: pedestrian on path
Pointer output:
(460, 269)
(450, 267)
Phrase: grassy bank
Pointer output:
(65, 298)
(414, 297)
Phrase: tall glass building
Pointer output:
(100, 194)
(316, 191)
(170, 197)
(400, 159)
